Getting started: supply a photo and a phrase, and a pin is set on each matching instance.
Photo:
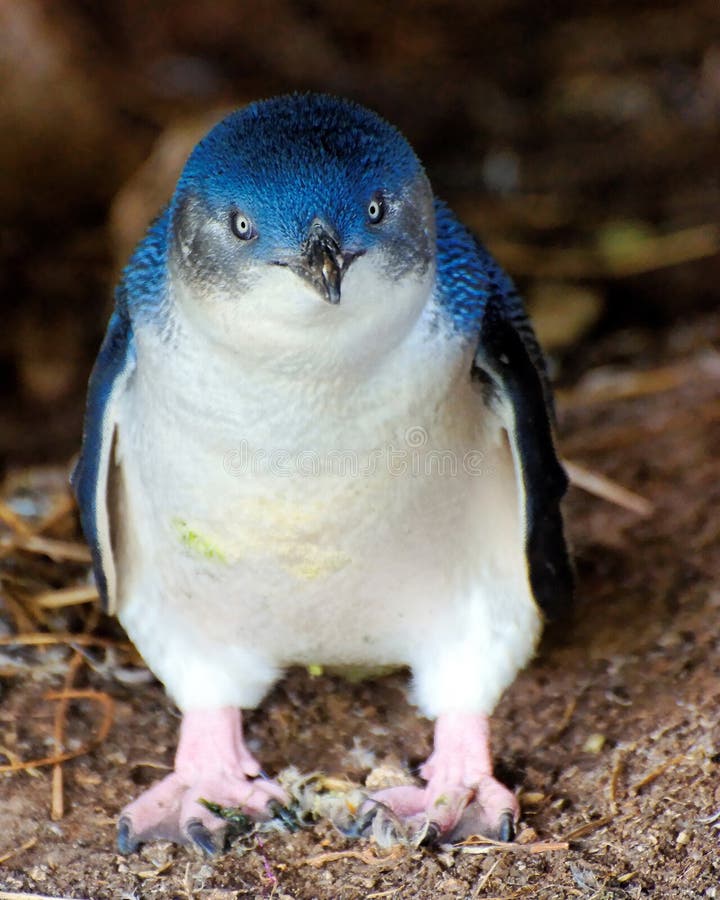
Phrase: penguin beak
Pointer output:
(321, 261)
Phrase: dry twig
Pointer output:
(618, 764)
(482, 884)
(588, 828)
(62, 508)
(649, 254)
(11, 895)
(59, 551)
(365, 856)
(655, 773)
(43, 639)
(11, 854)
(99, 697)
(606, 489)
(57, 805)
(68, 596)
(25, 617)
(13, 521)
(629, 384)
(477, 843)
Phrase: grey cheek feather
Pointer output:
(409, 248)
(209, 260)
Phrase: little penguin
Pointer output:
(319, 431)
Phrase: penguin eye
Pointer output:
(242, 227)
(376, 209)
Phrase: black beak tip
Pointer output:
(322, 263)
(332, 295)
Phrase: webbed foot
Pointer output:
(212, 764)
(461, 796)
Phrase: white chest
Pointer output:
(240, 465)
(305, 522)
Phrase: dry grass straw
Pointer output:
(41, 553)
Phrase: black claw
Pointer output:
(361, 826)
(126, 840)
(506, 828)
(432, 835)
(289, 817)
(202, 837)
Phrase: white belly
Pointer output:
(361, 538)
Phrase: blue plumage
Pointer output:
(143, 285)
(89, 478)
(482, 303)
(282, 160)
(468, 276)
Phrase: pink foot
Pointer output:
(461, 796)
(212, 763)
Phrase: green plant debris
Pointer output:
(198, 543)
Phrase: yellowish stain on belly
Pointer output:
(290, 533)
(196, 543)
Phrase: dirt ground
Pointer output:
(611, 736)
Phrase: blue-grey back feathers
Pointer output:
(481, 302)
(90, 478)
(143, 282)
(468, 276)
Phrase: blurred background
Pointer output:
(579, 140)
